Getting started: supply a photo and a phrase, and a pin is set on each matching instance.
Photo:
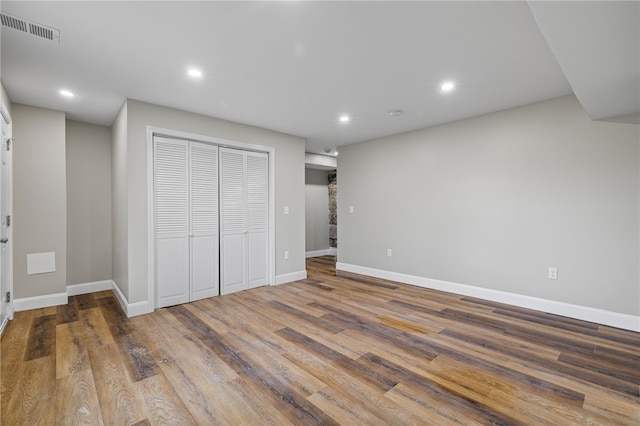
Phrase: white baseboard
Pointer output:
(36, 302)
(3, 326)
(138, 308)
(92, 287)
(120, 297)
(292, 276)
(585, 313)
(332, 251)
(131, 309)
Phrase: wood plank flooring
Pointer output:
(328, 350)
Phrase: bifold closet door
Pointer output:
(257, 165)
(186, 221)
(203, 209)
(171, 207)
(244, 210)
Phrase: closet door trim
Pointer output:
(177, 134)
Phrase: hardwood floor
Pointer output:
(327, 350)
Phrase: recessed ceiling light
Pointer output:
(66, 93)
(344, 118)
(194, 72)
(447, 86)
(336, 153)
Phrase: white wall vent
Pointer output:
(29, 27)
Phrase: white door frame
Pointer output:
(6, 122)
(159, 131)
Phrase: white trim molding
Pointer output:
(121, 299)
(331, 251)
(36, 302)
(3, 326)
(138, 308)
(290, 277)
(4, 112)
(7, 126)
(131, 309)
(585, 313)
(92, 287)
(45, 301)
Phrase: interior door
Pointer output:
(5, 227)
(233, 221)
(244, 189)
(257, 166)
(204, 220)
(171, 206)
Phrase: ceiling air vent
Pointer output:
(29, 27)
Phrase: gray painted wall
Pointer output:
(316, 210)
(119, 191)
(88, 202)
(39, 198)
(289, 186)
(493, 201)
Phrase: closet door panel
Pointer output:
(233, 268)
(257, 259)
(233, 221)
(171, 196)
(172, 271)
(257, 172)
(204, 267)
(204, 220)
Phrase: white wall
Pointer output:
(39, 198)
(88, 202)
(493, 201)
(289, 185)
(316, 210)
(119, 191)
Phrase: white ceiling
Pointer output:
(599, 52)
(296, 67)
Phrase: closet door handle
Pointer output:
(4, 240)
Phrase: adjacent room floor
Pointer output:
(326, 350)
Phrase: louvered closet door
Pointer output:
(171, 198)
(233, 221)
(257, 172)
(204, 220)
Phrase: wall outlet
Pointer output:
(286, 255)
(350, 209)
(553, 273)
(389, 253)
(286, 209)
